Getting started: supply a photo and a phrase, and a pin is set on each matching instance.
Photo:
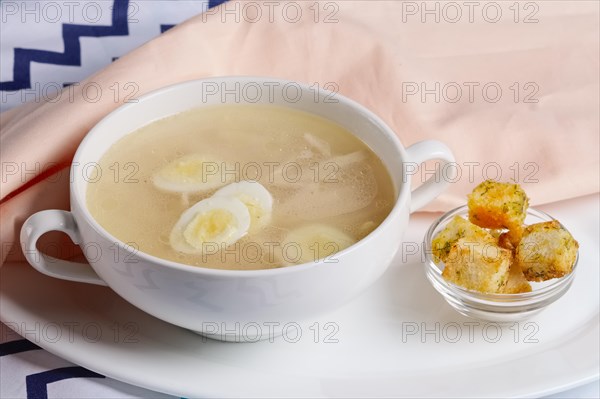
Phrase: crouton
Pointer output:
(457, 228)
(547, 250)
(517, 283)
(496, 233)
(478, 266)
(497, 205)
(505, 242)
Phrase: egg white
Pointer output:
(315, 241)
(219, 221)
(255, 196)
(190, 174)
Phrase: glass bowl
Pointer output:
(501, 308)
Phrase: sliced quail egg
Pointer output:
(255, 196)
(219, 221)
(314, 242)
(189, 174)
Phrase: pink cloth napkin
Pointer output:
(516, 94)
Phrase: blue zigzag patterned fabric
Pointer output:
(47, 45)
(27, 371)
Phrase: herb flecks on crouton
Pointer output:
(478, 266)
(547, 250)
(517, 283)
(496, 205)
(456, 229)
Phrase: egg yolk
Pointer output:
(326, 245)
(187, 170)
(216, 225)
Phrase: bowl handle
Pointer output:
(55, 220)
(425, 151)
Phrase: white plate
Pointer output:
(379, 350)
